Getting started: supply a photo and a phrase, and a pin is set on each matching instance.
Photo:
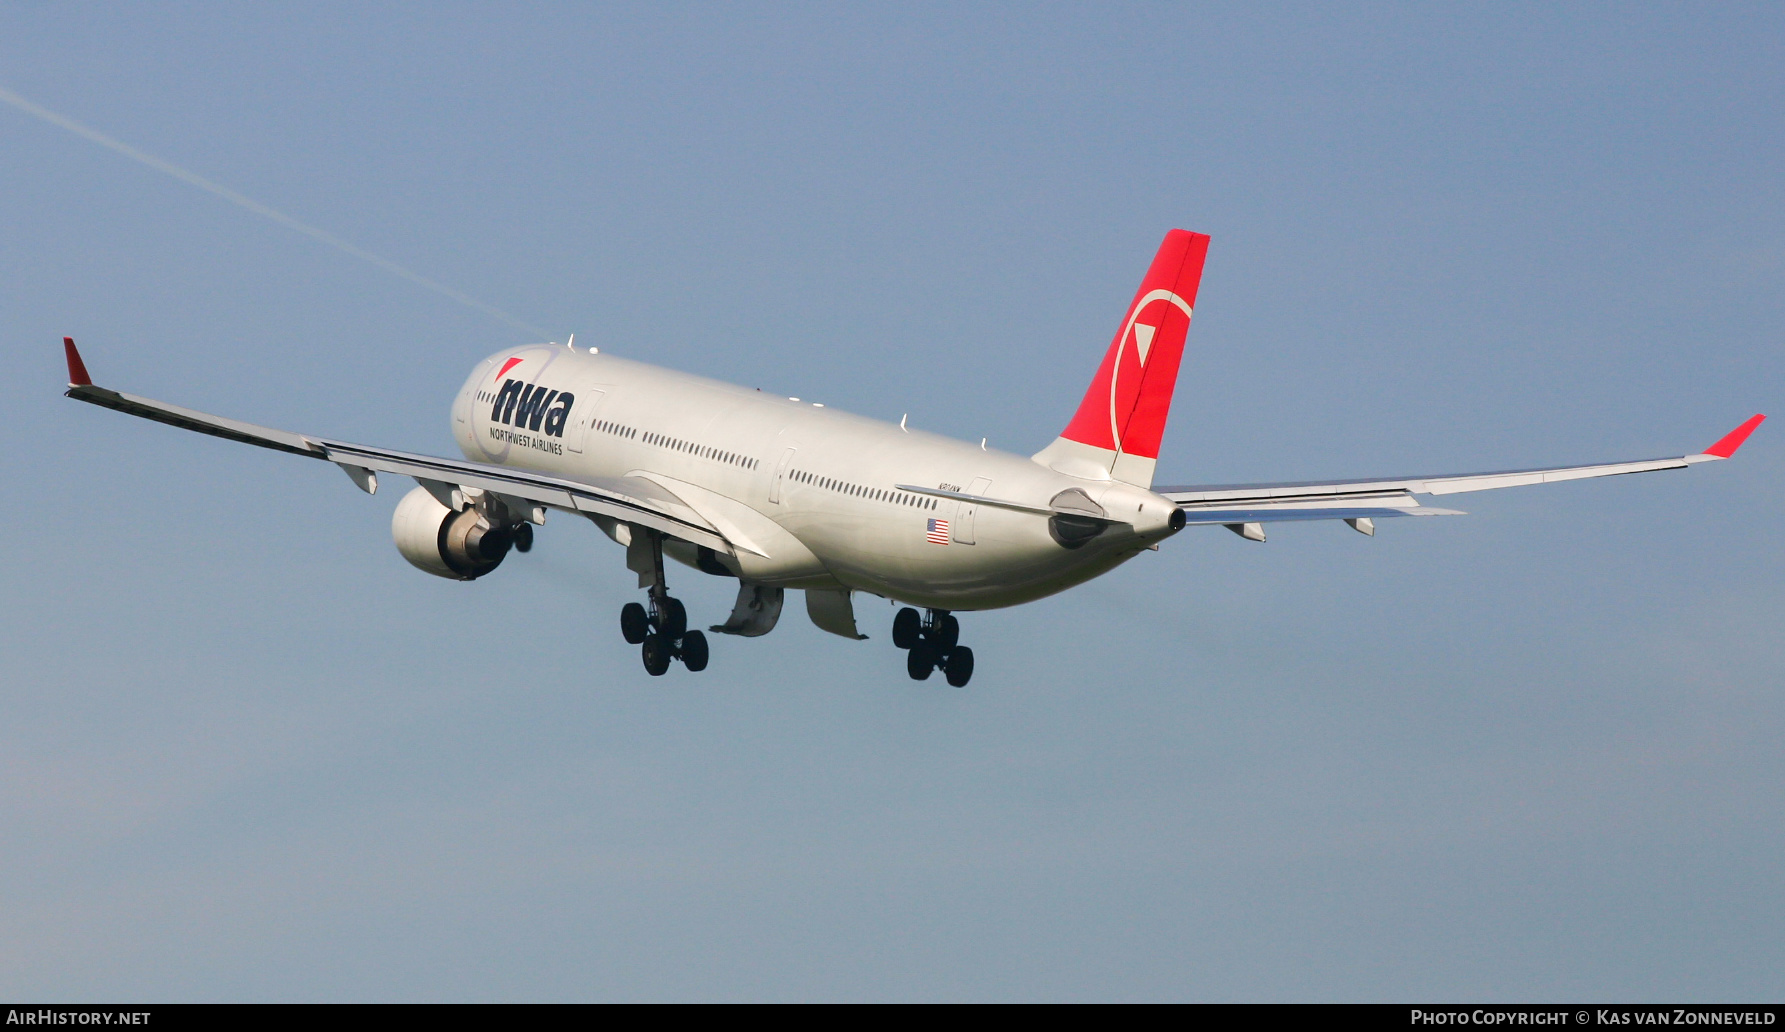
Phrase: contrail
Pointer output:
(258, 208)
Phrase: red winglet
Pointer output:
(77, 370)
(1731, 441)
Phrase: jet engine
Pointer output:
(462, 545)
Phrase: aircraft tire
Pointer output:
(694, 651)
(947, 632)
(674, 617)
(634, 624)
(907, 628)
(959, 666)
(656, 654)
(919, 662)
(523, 538)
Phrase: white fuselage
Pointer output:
(811, 490)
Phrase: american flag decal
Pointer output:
(938, 534)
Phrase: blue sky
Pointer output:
(1532, 753)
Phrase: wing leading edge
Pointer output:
(1240, 504)
(632, 500)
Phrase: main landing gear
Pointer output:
(662, 631)
(931, 642)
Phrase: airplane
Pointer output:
(786, 494)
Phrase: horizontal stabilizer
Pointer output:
(1196, 517)
(1393, 496)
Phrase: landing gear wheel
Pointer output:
(523, 538)
(958, 667)
(694, 651)
(946, 632)
(656, 654)
(907, 628)
(634, 624)
(672, 618)
(919, 662)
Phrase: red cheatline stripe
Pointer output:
(1722, 449)
(506, 366)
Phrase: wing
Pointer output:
(632, 500)
(1364, 500)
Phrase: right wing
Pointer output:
(1238, 504)
(633, 500)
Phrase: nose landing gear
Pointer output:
(932, 643)
(662, 631)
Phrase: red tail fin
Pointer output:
(1124, 412)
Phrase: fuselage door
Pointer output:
(962, 530)
(462, 405)
(776, 485)
(583, 419)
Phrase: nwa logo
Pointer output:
(532, 407)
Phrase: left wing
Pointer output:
(632, 500)
(1361, 501)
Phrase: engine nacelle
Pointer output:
(461, 545)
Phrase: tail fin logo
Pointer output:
(1126, 381)
(1143, 335)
